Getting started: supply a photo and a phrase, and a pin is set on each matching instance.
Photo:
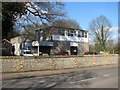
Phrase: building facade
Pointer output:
(54, 41)
(19, 43)
(6, 47)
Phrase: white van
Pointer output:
(26, 53)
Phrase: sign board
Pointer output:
(73, 44)
(42, 43)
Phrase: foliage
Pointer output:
(116, 49)
(10, 11)
(111, 48)
(91, 47)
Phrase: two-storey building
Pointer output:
(55, 40)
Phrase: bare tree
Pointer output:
(44, 12)
(37, 14)
(100, 30)
(66, 23)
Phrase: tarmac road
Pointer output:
(92, 78)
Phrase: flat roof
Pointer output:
(61, 27)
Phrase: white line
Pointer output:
(90, 79)
(106, 75)
(72, 82)
(84, 80)
(87, 79)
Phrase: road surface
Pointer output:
(95, 78)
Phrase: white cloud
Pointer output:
(114, 29)
(115, 38)
(107, 27)
(84, 29)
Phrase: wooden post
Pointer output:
(93, 59)
(76, 62)
(53, 63)
(108, 59)
(21, 64)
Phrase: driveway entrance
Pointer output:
(73, 50)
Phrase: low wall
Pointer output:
(20, 63)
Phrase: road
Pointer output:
(95, 78)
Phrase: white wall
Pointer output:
(18, 49)
(69, 38)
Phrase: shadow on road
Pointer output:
(53, 81)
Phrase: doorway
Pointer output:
(45, 49)
(73, 50)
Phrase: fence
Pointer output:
(20, 63)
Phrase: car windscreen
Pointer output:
(28, 52)
(98, 52)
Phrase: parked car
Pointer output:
(26, 53)
(100, 53)
(91, 53)
(65, 53)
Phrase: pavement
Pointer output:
(92, 77)
(20, 75)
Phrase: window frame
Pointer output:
(85, 34)
(79, 34)
(72, 33)
(69, 33)
(75, 33)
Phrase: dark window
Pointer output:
(68, 34)
(72, 34)
(28, 52)
(85, 34)
(82, 34)
(63, 32)
(79, 35)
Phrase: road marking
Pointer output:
(87, 79)
(106, 75)
(90, 79)
(84, 80)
